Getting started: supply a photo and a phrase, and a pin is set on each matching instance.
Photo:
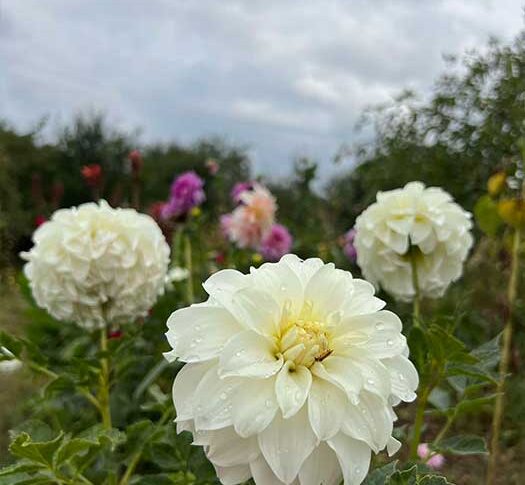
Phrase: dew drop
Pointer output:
(380, 326)
(197, 328)
(268, 403)
(298, 396)
(239, 353)
(401, 377)
(390, 342)
(283, 288)
(370, 381)
(198, 340)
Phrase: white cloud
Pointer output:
(285, 77)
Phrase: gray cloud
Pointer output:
(284, 77)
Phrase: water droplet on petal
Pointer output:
(380, 326)
(268, 403)
(390, 342)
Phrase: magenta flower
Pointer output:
(186, 192)
(276, 243)
(238, 189)
(348, 245)
(436, 461)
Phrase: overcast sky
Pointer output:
(284, 77)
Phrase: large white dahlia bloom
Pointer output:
(291, 375)
(96, 265)
(413, 222)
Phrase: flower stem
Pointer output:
(135, 459)
(418, 423)
(188, 262)
(103, 398)
(415, 284)
(504, 359)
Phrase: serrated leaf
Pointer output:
(380, 475)
(23, 466)
(433, 480)
(71, 448)
(40, 452)
(462, 445)
(403, 477)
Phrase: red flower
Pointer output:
(39, 220)
(136, 160)
(92, 174)
(115, 334)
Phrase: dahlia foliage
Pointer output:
(291, 374)
(413, 227)
(97, 266)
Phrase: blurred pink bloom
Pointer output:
(435, 462)
(250, 221)
(212, 166)
(186, 192)
(238, 189)
(348, 245)
(276, 243)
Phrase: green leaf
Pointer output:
(39, 452)
(12, 344)
(23, 466)
(380, 475)
(404, 477)
(487, 216)
(433, 480)
(70, 449)
(97, 434)
(418, 345)
(462, 445)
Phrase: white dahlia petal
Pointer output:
(321, 467)
(353, 456)
(234, 474)
(279, 444)
(249, 354)
(297, 372)
(211, 328)
(326, 408)
(254, 406)
(212, 400)
(291, 387)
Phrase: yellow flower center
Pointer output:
(304, 340)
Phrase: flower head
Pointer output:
(249, 222)
(413, 225)
(96, 265)
(434, 461)
(186, 192)
(92, 174)
(496, 183)
(292, 372)
(136, 162)
(213, 166)
(238, 189)
(348, 245)
(276, 243)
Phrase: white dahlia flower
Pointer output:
(291, 375)
(413, 222)
(96, 265)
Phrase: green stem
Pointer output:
(53, 375)
(135, 459)
(418, 423)
(103, 398)
(504, 360)
(415, 284)
(188, 262)
(444, 430)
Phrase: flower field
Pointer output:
(169, 317)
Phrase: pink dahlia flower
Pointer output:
(276, 243)
(186, 192)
